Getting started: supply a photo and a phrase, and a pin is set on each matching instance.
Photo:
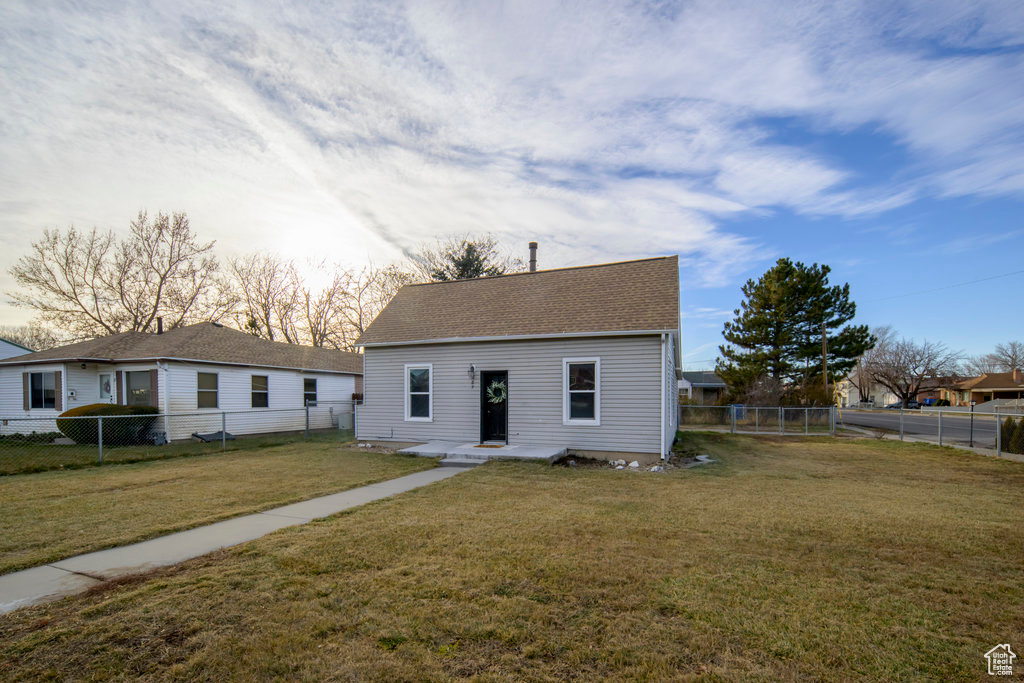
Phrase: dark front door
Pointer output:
(494, 406)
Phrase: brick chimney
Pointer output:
(1018, 376)
(159, 325)
(533, 257)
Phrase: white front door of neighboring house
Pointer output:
(106, 380)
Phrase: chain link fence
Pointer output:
(945, 427)
(738, 419)
(38, 444)
(996, 432)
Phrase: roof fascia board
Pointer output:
(518, 337)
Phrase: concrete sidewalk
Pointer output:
(77, 574)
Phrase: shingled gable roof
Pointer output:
(204, 343)
(632, 296)
(994, 380)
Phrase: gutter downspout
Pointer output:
(662, 398)
(166, 384)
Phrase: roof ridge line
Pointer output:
(538, 272)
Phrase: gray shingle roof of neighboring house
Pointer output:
(703, 378)
(204, 343)
(631, 296)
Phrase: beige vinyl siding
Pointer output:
(630, 392)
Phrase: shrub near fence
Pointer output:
(130, 429)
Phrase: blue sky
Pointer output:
(884, 139)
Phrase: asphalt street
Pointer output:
(955, 427)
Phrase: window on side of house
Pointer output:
(260, 391)
(137, 389)
(309, 391)
(43, 390)
(419, 393)
(206, 395)
(582, 394)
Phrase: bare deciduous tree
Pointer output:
(35, 337)
(268, 296)
(860, 376)
(1009, 356)
(907, 368)
(367, 292)
(278, 304)
(88, 284)
(979, 365)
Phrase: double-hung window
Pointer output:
(419, 394)
(206, 396)
(581, 403)
(260, 391)
(309, 391)
(43, 390)
(138, 391)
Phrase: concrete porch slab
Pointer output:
(461, 453)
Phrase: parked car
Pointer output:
(911, 405)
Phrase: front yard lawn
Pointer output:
(53, 515)
(809, 559)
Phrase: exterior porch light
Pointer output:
(472, 374)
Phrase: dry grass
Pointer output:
(53, 515)
(810, 559)
(21, 457)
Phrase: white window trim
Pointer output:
(198, 390)
(566, 420)
(251, 392)
(429, 367)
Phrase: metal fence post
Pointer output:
(99, 433)
(756, 420)
(732, 418)
(223, 431)
(807, 421)
(782, 420)
(832, 420)
(307, 419)
(999, 435)
(940, 427)
(901, 423)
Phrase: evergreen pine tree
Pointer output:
(1006, 432)
(777, 332)
(1017, 440)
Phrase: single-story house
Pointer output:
(703, 387)
(990, 386)
(9, 349)
(198, 372)
(578, 358)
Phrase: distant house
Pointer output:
(9, 349)
(702, 387)
(578, 358)
(202, 370)
(990, 386)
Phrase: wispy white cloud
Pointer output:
(623, 130)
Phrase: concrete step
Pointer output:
(462, 462)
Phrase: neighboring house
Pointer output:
(702, 387)
(202, 370)
(989, 387)
(878, 395)
(9, 349)
(578, 358)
